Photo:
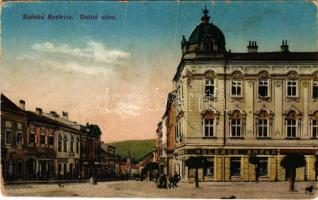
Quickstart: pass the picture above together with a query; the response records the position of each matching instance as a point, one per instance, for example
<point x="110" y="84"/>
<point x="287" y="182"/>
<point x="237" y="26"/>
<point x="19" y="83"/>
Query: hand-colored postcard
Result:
<point x="159" y="99"/>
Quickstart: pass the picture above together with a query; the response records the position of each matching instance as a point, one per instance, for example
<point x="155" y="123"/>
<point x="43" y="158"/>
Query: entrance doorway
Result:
<point x="31" y="168"/>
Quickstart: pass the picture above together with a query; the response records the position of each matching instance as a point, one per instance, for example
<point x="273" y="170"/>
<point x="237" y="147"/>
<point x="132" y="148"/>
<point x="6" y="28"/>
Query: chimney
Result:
<point x="252" y="47"/>
<point x="38" y="111"/>
<point x="53" y="113"/>
<point x="65" y="115"/>
<point x="284" y="47"/>
<point x="22" y="104"/>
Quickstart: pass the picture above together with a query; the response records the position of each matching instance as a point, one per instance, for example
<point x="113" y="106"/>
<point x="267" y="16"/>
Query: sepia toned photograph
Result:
<point x="159" y="99"/>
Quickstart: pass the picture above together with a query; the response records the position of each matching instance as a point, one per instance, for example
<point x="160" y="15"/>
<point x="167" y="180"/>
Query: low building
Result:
<point x="13" y="140"/>
<point x="109" y="159"/>
<point x="40" y="145"/>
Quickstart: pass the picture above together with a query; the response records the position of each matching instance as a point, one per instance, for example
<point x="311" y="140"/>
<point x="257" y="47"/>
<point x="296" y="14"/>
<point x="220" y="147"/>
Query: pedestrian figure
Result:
<point x="171" y="183"/>
<point x="176" y="179"/>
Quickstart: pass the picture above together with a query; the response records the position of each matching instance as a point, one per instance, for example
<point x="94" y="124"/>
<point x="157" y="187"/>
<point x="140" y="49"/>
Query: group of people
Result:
<point x="168" y="182"/>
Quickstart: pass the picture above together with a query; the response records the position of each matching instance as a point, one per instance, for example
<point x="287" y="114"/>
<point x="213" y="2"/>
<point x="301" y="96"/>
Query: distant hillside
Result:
<point x="137" y="148"/>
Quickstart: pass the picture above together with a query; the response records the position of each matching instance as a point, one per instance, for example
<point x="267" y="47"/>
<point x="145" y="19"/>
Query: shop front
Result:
<point x="235" y="165"/>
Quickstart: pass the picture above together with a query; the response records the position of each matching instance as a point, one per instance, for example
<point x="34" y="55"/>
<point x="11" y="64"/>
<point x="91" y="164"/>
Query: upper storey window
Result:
<point x="59" y="144"/>
<point x="237" y="82"/>
<point x="236" y="124"/>
<point x="292" y="124"/>
<point x="263" y="84"/>
<point x="209" y="123"/>
<point x="292" y="84"/>
<point x="315" y="86"/>
<point x="209" y="88"/>
<point x="263" y="121"/>
<point x="314" y="125"/>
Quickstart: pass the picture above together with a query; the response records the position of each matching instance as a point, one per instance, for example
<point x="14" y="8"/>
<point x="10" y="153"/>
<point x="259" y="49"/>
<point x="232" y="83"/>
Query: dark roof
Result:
<point x="258" y="56"/>
<point x="274" y="56"/>
<point x="33" y="117"/>
<point x="207" y="31"/>
<point x="8" y="106"/>
<point x="202" y="31"/>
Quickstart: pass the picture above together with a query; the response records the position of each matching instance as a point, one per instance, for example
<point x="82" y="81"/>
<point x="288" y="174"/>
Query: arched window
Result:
<point x="292" y="124"/>
<point x="237" y="82"/>
<point x="209" y="123"/>
<point x="263" y="124"/>
<point x="236" y="124"/>
<point x="72" y="145"/>
<point x="65" y="143"/>
<point x="263" y="84"/>
<point x="314" y="125"/>
<point x="77" y="145"/>
<point x="292" y="84"/>
<point x="59" y="143"/>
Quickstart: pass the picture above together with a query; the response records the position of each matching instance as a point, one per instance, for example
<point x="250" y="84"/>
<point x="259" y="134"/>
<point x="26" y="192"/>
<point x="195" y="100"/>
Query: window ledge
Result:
<point x="237" y="97"/>
<point x="292" y="138"/>
<point x="237" y="138"/>
<point x="208" y="98"/>
<point x="209" y="137"/>
<point x="292" y="98"/>
<point x="264" y="98"/>
<point x="263" y="138"/>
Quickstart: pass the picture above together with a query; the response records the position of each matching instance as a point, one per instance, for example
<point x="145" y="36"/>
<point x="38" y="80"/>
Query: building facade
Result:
<point x="47" y="146"/>
<point x="13" y="140"/>
<point x="234" y="105"/>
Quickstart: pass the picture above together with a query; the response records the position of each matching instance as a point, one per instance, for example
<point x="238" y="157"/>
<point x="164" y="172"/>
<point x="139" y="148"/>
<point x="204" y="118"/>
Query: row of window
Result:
<point x="263" y="127"/>
<point x="235" y="167"/>
<point x="11" y="138"/>
<point x="64" y="141"/>
<point x="44" y="139"/>
<point x="263" y="88"/>
<point x="9" y="124"/>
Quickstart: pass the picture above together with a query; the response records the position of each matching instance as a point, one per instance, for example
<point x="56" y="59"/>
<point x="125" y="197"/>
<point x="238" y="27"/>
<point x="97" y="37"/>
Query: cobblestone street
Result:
<point x="135" y="189"/>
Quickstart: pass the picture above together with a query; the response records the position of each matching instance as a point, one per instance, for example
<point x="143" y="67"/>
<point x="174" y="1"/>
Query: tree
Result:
<point x="196" y="163"/>
<point x="254" y="160"/>
<point x="291" y="162"/>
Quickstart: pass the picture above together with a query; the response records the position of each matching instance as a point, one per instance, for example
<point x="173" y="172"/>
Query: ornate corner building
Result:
<point x="233" y="105"/>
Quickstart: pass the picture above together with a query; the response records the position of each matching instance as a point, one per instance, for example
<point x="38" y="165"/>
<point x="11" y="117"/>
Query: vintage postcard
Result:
<point x="159" y="99"/>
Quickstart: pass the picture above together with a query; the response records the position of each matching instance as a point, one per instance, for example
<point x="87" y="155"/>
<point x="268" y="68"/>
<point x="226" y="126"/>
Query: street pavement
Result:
<point x="138" y="189"/>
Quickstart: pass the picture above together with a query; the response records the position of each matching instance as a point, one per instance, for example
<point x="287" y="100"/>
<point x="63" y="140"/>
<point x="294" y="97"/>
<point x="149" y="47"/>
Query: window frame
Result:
<point x="237" y="84"/>
<point x="209" y="127"/>
<point x="267" y="85"/>
<point x="264" y="160"/>
<point x="314" y="126"/>
<point x="42" y="138"/>
<point x="293" y="86"/>
<point x="59" y="143"/>
<point x="18" y="142"/>
<point x="314" y="84"/>
<point x="291" y="126"/>
<point x="6" y="137"/>
<point x="65" y="144"/>
<point x="262" y="126"/>
<point x="209" y="82"/>
<point x="235" y="160"/>
<point x="32" y="136"/>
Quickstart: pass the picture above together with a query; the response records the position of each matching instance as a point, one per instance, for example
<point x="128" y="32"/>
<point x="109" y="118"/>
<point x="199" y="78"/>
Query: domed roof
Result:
<point x="207" y="31"/>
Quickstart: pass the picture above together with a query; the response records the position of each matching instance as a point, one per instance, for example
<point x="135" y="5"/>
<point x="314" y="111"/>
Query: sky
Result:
<point x="117" y="72"/>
